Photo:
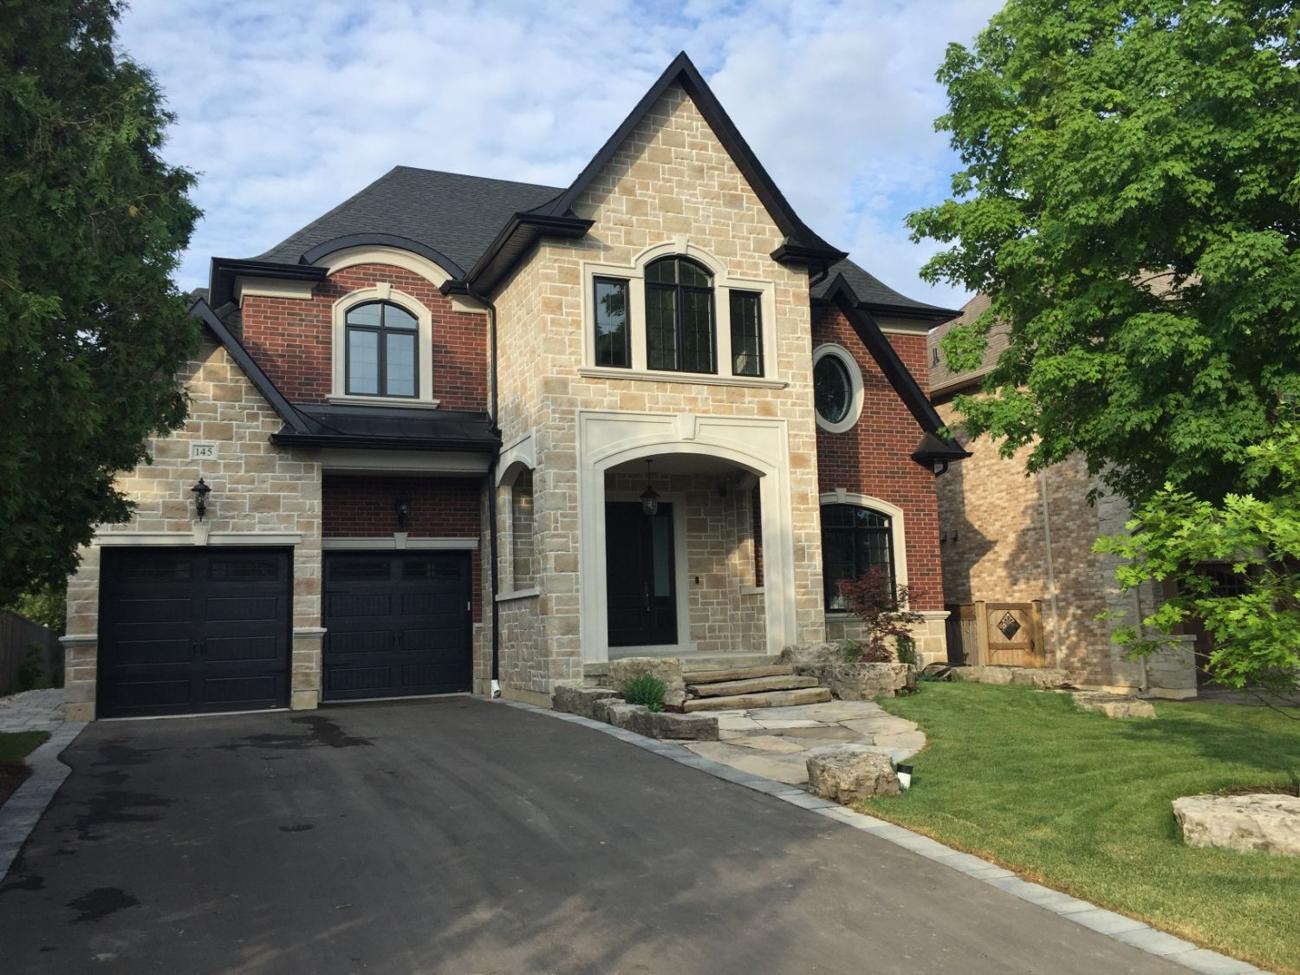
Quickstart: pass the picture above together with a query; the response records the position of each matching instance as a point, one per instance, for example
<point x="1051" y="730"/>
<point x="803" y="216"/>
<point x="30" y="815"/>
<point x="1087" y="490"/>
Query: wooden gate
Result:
<point x="997" y="634"/>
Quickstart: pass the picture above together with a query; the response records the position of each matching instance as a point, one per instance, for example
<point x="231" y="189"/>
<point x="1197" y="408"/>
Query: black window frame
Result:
<point x="381" y="331"/>
<point x="625" y="286"/>
<point x="757" y="298"/>
<point x="679" y="291"/>
<point x="830" y="587"/>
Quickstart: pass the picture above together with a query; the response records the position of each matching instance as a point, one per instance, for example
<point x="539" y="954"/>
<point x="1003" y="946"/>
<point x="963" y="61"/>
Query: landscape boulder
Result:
<point x="667" y="669"/>
<point x="575" y="699"/>
<point x="1114" y="705"/>
<point x="847" y="772"/>
<point x="1263" y="821"/>
<point x="848" y="680"/>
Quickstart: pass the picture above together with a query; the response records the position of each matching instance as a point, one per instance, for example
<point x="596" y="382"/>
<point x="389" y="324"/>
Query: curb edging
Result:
<point x="1117" y="927"/>
<point x="19" y="815"/>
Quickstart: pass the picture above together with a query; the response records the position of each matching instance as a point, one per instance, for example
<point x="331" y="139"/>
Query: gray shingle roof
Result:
<point x="943" y="379"/>
<point x="455" y="214"/>
<point x="870" y="290"/>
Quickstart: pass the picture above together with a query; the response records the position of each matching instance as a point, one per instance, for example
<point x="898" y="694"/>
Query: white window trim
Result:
<point x="723" y="284"/>
<point x="897" y="531"/>
<point x="855" y="382"/>
<point x="424" y="346"/>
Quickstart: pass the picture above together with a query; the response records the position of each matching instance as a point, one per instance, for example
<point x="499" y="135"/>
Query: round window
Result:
<point x="832" y="389"/>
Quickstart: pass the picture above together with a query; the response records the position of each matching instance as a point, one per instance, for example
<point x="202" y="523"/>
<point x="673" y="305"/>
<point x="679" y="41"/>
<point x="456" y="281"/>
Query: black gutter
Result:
<point x="307" y="439"/>
<point x="519" y="234"/>
<point x="494" y="573"/>
<point x="224" y="270"/>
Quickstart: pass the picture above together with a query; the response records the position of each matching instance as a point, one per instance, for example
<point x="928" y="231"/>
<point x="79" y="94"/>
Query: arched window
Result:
<point x="382" y="354"/>
<point x="679" y="316"/>
<point x="854" y="539"/>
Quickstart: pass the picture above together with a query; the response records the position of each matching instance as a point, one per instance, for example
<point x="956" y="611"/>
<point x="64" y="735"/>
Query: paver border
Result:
<point x="1117" y="927"/>
<point x="18" y="816"/>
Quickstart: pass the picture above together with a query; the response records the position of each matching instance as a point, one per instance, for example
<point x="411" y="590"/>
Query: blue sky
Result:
<point x="287" y="109"/>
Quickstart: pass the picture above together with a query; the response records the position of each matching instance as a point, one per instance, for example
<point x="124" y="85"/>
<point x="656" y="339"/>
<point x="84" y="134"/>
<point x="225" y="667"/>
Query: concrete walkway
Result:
<point x="32" y="710"/>
<point x="776" y="742"/>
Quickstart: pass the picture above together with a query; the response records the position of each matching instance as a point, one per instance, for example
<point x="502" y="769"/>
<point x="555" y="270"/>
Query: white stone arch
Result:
<point x="759" y="446"/>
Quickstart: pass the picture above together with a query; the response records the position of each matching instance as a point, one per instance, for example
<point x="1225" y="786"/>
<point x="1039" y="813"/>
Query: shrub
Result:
<point x="881" y="605"/>
<point x="645" y="689"/>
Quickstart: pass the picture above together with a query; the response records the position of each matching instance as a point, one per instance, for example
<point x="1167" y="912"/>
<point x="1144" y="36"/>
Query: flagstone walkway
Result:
<point x="777" y="742"/>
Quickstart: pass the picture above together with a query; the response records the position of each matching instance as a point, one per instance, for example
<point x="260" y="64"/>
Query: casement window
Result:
<point x="523" y="562"/>
<point x="382" y="351"/>
<point x="746" y="333"/>
<point x="837" y="388"/>
<point x="613" y="330"/>
<point x="679" y="316"/>
<point x="854" y="540"/>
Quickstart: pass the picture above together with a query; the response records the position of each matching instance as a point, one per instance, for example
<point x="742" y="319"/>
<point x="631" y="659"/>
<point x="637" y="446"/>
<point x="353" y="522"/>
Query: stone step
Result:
<point x="751" y="685"/>
<point x="700" y="662"/>
<point x="769" y="699"/>
<point x="736" y="673"/>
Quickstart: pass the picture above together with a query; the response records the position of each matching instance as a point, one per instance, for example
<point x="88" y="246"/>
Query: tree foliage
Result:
<point x="1130" y="200"/>
<point x="92" y="329"/>
<point x="1256" y="631"/>
<point x="886" y="621"/>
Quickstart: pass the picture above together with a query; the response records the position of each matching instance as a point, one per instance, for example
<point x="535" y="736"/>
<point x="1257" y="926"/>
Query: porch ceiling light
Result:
<point x="201" y="492"/>
<point x="649" y="497"/>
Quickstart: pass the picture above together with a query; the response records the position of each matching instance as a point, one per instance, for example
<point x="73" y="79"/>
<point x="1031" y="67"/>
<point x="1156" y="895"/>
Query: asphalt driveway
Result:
<point x="459" y="836"/>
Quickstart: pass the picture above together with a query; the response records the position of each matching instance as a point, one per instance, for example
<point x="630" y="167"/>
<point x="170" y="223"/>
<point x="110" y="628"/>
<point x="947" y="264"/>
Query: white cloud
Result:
<point x="286" y="110"/>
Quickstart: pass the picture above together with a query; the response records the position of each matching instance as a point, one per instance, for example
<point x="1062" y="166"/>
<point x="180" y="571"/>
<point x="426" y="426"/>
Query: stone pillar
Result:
<point x="81" y="645"/>
<point x="305" y="686"/>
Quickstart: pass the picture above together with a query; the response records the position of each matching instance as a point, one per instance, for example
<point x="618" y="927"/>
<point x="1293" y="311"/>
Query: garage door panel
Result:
<point x="397" y="624"/>
<point x="184" y="630"/>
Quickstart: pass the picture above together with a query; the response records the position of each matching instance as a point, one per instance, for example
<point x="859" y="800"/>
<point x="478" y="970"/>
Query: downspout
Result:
<point x="1051" y="572"/>
<point x="494" y="572"/>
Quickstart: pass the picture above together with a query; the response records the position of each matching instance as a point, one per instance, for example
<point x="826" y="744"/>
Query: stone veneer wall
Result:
<point x="670" y="180"/>
<point x="255" y="488"/>
<point x="726" y="613"/>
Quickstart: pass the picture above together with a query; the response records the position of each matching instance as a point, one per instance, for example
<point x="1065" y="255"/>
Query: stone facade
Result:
<point x="260" y="495"/>
<point x="671" y="182"/>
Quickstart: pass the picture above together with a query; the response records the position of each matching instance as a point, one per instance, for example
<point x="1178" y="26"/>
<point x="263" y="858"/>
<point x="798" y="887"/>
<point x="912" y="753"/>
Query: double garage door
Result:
<point x="185" y="630"/>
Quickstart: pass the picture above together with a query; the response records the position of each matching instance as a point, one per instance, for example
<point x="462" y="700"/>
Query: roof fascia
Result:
<point x="294" y="438"/>
<point x="224" y="270"/>
<point x="260" y="380"/>
<point x="516" y="237"/>
<point x="329" y="247"/>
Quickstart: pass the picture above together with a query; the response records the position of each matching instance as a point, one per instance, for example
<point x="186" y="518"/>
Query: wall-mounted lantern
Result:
<point x="201" y="492"/>
<point x="403" y="509"/>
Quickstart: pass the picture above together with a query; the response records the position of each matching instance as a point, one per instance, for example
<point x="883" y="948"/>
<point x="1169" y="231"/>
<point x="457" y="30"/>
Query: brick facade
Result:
<point x="291" y="338"/>
<point x="874" y="457"/>
<point x="364" y="506"/>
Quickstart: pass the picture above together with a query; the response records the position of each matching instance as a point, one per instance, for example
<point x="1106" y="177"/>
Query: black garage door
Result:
<point x="191" y="630"/>
<point x="396" y="624"/>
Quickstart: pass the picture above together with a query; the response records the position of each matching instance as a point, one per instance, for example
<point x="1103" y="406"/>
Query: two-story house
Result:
<point x="462" y="430"/>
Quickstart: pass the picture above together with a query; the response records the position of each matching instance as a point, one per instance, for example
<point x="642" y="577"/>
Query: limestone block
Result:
<point x="1114" y="705"/>
<point x="1264" y="822"/>
<point x="579" y="700"/>
<point x="1044" y="678"/>
<point x="667" y="669"/>
<point x="848" y="772"/>
<point x="658" y="724"/>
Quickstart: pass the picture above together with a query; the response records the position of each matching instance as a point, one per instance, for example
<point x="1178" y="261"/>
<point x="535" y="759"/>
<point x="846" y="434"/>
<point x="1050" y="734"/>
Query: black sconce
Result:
<point x="201" y="492"/>
<point x="403" y="508"/>
<point x="649" y="497"/>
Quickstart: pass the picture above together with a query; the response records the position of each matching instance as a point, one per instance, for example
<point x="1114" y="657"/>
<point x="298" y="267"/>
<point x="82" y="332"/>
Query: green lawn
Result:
<point x="1081" y="803"/>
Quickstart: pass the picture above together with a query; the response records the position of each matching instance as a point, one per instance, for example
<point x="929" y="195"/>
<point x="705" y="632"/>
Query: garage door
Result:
<point x="192" y="630"/>
<point x="396" y="624"/>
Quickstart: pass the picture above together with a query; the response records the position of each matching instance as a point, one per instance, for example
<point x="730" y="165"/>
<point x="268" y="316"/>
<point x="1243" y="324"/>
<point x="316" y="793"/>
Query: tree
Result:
<point x="1130" y="200"/>
<point x="1257" y="630"/>
<point x="92" y="330"/>
<point x="886" y="621"/>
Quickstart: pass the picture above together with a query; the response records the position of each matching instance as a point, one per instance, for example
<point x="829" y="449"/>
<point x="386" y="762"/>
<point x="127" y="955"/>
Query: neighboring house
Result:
<point x="462" y="430"/>
<point x="1023" y="544"/>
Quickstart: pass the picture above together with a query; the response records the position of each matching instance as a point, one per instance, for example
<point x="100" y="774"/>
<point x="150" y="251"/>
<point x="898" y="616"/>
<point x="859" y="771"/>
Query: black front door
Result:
<point x="397" y="625"/>
<point x="193" y="630"/>
<point x="642" y="588"/>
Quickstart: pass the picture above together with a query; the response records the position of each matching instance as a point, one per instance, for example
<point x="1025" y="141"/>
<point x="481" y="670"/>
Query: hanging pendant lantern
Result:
<point x="649" y="497"/>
